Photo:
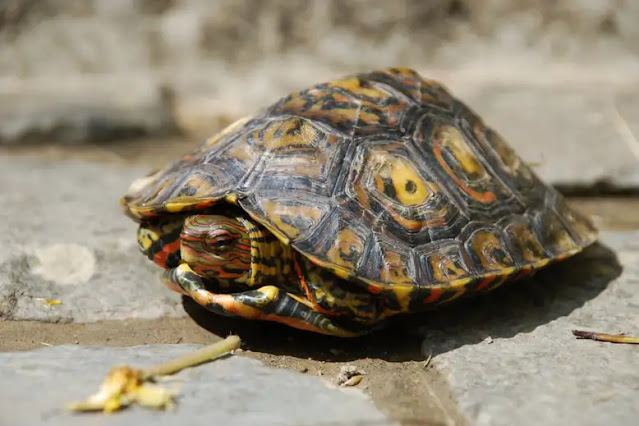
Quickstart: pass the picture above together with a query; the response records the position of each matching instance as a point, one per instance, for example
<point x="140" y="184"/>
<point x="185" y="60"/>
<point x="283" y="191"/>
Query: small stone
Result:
<point x="346" y="372"/>
<point x="353" y="381"/>
<point x="303" y="370"/>
<point x="488" y="340"/>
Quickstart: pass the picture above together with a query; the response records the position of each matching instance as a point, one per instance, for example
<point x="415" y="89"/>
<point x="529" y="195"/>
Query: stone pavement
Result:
<point x="37" y="385"/>
<point x="508" y="358"/>
<point x="68" y="241"/>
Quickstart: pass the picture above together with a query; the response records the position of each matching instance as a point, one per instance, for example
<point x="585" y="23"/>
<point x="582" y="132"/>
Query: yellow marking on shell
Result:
<point x="541" y="263"/>
<point x="178" y="204"/>
<point x="354" y="85"/>
<point x="228" y="129"/>
<point x="352" y="114"/>
<point x="346" y="244"/>
<point x="346" y="114"/>
<point x="277" y="212"/>
<point x="291" y="132"/>
<point x="483" y="242"/>
<point x="273" y="230"/>
<point x="444" y="268"/>
<point x="410" y="188"/>
<point x="403" y="294"/>
<point x="341" y="272"/>
<point x="231" y="198"/>
<point x="394" y="269"/>
<point x="452" y="139"/>
<point x="530" y="248"/>
<point x="403" y="71"/>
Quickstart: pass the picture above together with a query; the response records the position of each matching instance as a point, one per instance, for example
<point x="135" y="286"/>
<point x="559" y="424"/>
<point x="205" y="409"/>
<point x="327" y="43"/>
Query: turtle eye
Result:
<point x="221" y="242"/>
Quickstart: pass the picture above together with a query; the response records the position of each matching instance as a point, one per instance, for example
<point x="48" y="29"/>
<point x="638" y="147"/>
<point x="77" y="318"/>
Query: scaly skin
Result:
<point x="232" y="252"/>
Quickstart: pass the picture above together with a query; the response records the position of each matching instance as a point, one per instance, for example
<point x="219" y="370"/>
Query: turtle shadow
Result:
<point x="520" y="307"/>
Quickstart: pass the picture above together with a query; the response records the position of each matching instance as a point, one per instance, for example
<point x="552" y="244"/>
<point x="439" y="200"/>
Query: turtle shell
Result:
<point x="383" y="178"/>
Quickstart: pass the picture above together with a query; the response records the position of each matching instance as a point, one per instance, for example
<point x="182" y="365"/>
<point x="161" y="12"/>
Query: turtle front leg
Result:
<point x="266" y="303"/>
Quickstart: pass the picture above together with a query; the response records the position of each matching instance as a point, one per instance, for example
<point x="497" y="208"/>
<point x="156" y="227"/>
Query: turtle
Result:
<point x="347" y="203"/>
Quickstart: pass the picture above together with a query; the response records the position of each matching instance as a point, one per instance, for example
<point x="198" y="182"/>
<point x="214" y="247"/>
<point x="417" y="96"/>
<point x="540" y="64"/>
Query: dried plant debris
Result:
<point x="349" y="375"/>
<point x="602" y="337"/>
<point x="125" y="385"/>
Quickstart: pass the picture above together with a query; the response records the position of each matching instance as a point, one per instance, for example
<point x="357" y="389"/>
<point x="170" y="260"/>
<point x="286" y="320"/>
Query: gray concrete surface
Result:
<point x="511" y="359"/>
<point x="554" y="77"/>
<point x="65" y="239"/>
<point x="37" y="385"/>
<point x="100" y="113"/>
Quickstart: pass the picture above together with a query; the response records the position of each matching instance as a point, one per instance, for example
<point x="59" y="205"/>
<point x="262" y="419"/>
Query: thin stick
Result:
<point x="601" y="337"/>
<point x="192" y="359"/>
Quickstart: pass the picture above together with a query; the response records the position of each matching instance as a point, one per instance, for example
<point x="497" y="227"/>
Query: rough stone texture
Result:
<point x="511" y="358"/>
<point x="37" y="385"/>
<point x="75" y="115"/>
<point x="95" y="70"/>
<point x="64" y="238"/>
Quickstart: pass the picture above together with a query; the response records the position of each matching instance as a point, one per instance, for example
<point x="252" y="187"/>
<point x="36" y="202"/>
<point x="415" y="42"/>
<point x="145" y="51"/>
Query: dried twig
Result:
<point x="124" y="385"/>
<point x="601" y="337"/>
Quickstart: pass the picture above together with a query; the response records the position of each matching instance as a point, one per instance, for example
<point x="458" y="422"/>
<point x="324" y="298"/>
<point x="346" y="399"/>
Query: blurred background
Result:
<point x="144" y="78"/>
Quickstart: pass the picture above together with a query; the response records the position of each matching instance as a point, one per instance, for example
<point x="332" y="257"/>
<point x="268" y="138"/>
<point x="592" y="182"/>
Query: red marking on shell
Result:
<point x="435" y="294"/>
<point x="486" y="282"/>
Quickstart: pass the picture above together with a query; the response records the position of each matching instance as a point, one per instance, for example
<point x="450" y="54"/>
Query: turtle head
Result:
<point x="217" y="246"/>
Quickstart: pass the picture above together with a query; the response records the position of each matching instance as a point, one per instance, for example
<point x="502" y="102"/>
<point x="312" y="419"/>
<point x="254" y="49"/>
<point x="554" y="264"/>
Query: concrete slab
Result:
<point x="65" y="239"/>
<point x="511" y="358"/>
<point x="37" y="385"/>
<point x="91" y="114"/>
<point x="573" y="136"/>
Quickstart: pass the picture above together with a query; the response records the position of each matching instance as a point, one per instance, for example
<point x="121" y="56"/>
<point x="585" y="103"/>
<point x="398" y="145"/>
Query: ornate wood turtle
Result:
<point x="347" y="203"/>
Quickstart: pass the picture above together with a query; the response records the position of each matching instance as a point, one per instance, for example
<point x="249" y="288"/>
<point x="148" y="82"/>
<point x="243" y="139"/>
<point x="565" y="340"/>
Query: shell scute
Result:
<point x="338" y="243"/>
<point x="413" y="207"/>
<point x="444" y="262"/>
